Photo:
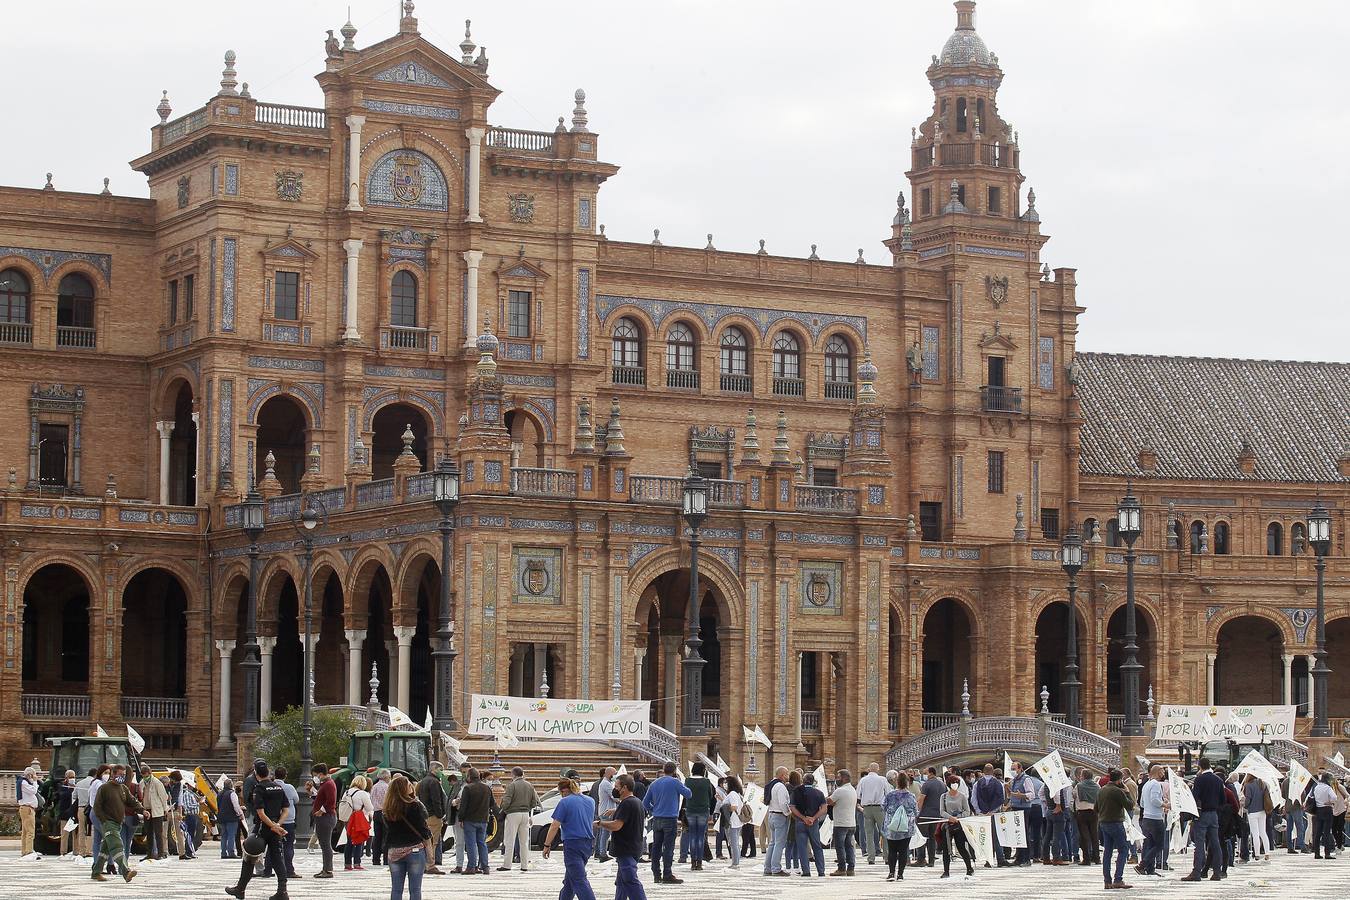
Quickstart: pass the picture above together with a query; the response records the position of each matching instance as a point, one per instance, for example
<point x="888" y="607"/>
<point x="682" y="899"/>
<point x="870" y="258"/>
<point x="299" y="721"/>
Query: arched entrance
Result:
<point x="154" y="636"/>
<point x="663" y="612"/>
<point x="288" y="662"/>
<point x="283" y="430"/>
<point x="386" y="443"/>
<point x="1052" y="653"/>
<point x="56" y="632"/>
<point x="330" y="669"/>
<point x="426" y="593"/>
<point x="380" y="646"/>
<point x="527" y="439"/>
<point x="183" y="450"/>
<point x="1338" y="659"/>
<point x="947" y="640"/>
<point x="897" y="689"/>
<point x="1249" y="664"/>
<point x="1115" y="656"/>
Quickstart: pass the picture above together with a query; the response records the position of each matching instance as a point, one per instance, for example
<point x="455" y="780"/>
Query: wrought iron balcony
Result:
<point x="995" y="398"/>
<point x="682" y="378"/>
<point x="736" y="384"/>
<point x="635" y="375"/>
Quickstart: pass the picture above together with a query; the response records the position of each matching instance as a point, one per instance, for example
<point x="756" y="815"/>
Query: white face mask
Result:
<point x="107" y="775"/>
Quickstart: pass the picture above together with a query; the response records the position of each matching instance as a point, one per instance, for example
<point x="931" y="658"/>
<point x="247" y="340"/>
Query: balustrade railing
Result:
<point x="74" y="336"/>
<point x="656" y="489"/>
<point x="818" y="498"/>
<point x="635" y="375"/>
<point x="712" y="719"/>
<point x="375" y="493"/>
<point x="290" y="116"/>
<point x="682" y="378"/>
<point x="515" y="139"/>
<point x="1114" y="723"/>
<point x="938" y="720"/>
<point x="893" y="721"/>
<point x="811" y="721"/>
<point x="661" y="746"/>
<point x="423" y="484"/>
<point x="726" y="494"/>
<point x="159" y="709"/>
<point x="839" y="390"/>
<point x="527" y="482"/>
<point x="285" y="507"/>
<point x="55" y="706"/>
<point x="402" y="337"/>
<point x="736" y="384"/>
<point x="182" y="126"/>
<point x="16" y="332"/>
<point x="789" y="387"/>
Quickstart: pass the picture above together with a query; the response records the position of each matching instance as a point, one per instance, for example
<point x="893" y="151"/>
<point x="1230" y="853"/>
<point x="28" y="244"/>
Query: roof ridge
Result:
<point x="1234" y="359"/>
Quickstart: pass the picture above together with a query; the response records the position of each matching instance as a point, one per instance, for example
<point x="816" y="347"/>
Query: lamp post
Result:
<point x="1319" y="535"/>
<point x="252" y="509"/>
<point x="1129" y="527"/>
<point x="311" y="512"/>
<point x="445" y="492"/>
<point x="695" y="511"/>
<point x="1071" y="558"/>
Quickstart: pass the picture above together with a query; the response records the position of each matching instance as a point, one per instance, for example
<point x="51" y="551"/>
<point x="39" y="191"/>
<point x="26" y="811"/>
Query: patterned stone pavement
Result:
<point x="1285" y="876"/>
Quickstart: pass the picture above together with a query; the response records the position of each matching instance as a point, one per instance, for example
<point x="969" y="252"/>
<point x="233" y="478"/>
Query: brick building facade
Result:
<point x="329" y="299"/>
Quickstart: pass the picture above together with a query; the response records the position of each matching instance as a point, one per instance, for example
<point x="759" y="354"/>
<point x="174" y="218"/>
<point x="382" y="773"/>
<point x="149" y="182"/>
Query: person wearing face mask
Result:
<point x="518" y="802"/>
<point x="82" y="812"/>
<point x="65" y="811"/>
<point x="113" y="803"/>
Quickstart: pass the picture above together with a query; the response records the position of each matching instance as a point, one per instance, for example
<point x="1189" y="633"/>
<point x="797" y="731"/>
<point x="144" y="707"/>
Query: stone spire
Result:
<point x="781" y="449"/>
<point x="585" y="436"/>
<point x="1031" y="215"/>
<point x="614" y="432"/>
<point x="349" y="33"/>
<point x="407" y="24"/>
<point x="488" y="345"/>
<point x="164" y="109"/>
<point x="867" y="376"/>
<point x="954" y="204"/>
<point x="229" y="85"/>
<point x="467" y="46"/>
<point x="750" y="445"/>
<point x="481" y="63"/>
<point x="579" y="112"/>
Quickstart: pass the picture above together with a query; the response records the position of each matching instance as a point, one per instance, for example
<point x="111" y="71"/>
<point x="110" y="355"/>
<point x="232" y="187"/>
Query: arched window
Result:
<point x="733" y="355"/>
<point x="75" y="312"/>
<point x="1089" y="527"/>
<point x="1221" y="539"/>
<point x="680" y="348"/>
<point x="15" y="292"/>
<point x="403" y="300"/>
<point x="1298" y="538"/>
<point x="1112" y="532"/>
<point x="787" y="356"/>
<point x="1274" y="539"/>
<point x="838" y="359"/>
<point x="626" y="353"/>
<point x="1197" y="529"/>
<point x="961" y="114"/>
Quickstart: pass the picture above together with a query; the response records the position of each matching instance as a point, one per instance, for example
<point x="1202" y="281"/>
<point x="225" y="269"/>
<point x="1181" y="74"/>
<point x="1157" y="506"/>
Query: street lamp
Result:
<point x="1319" y="536"/>
<point x="445" y="493"/>
<point x="1071" y="558"/>
<point x="695" y="511"/>
<point x="1129" y="527"/>
<point x="311" y="512"/>
<point x="252" y="512"/>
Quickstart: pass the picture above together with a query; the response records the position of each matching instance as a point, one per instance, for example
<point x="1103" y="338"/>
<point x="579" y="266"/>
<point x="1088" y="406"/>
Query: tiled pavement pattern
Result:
<point x="1285" y="876"/>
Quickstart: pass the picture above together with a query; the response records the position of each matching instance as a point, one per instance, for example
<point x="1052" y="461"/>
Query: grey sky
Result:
<point x="1188" y="157"/>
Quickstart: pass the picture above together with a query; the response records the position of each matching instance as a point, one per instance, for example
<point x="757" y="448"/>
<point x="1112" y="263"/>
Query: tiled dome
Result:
<point x="964" y="48"/>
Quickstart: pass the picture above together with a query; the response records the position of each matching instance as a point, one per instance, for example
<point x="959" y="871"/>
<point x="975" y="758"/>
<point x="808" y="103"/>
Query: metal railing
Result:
<point x="726" y="494"/>
<point x="656" y="489"/>
<point x="811" y="721"/>
<point x="661" y="746"/>
<point x="55" y="706"/>
<point x="839" y="390"/>
<point x="817" y="498"/>
<point x="74" y="336"/>
<point x="16" y="332"/>
<point x="939" y="720"/>
<point x="402" y="337"/>
<point x="736" y="384"/>
<point x="515" y="139"/>
<point x="290" y="116"/>
<point x="375" y="493"/>
<point x="893" y="720"/>
<point x="994" y="398"/>
<point x="527" y="482"/>
<point x="629" y="375"/>
<point x="789" y="387"/>
<point x="956" y="154"/>
<point x="712" y="719"/>
<point x="682" y="378"/>
<point x="1000" y="156"/>
<point x="160" y="709"/>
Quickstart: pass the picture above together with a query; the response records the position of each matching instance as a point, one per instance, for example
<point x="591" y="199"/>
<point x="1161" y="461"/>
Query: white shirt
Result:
<point x="734" y="803"/>
<point x="845" y="799"/>
<point x="28" y="793"/>
<point x="872" y="789"/>
<point x="1324" y="795"/>
<point x="779" y="799"/>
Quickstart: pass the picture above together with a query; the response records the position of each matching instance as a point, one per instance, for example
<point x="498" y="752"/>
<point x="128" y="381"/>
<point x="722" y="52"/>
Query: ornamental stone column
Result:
<point x="475" y="135"/>
<point x="349" y="327"/>
<point x="165" y="430"/>
<point x="354" y="641"/>
<point x="1288" y="678"/>
<point x="226" y="651"/>
<point x="1209" y="678"/>
<point x="404" y="635"/>
<point x="471" y="259"/>
<point x="354" y="123"/>
<point x="265" y="647"/>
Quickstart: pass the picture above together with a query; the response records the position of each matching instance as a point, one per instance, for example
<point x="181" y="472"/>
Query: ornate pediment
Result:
<point x="520" y="268"/>
<point x="996" y="339"/>
<point x="401" y="63"/>
<point x="291" y="247"/>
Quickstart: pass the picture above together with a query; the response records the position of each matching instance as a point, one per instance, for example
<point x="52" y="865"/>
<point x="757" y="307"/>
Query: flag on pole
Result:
<point x="99" y="732"/>
<point x="397" y="718"/>
<point x="979" y="832"/>
<point x="1007" y="766"/>
<point x="1011" y="828"/>
<point x="820" y="776"/>
<point x="1261" y="767"/>
<point x="1052" y="771"/>
<point x="1298" y="779"/>
<point x="762" y="738"/>
<point x="220" y="783"/>
<point x="623" y="770"/>
<point x="722" y="764"/>
<point x="1339" y="759"/>
<point x="137" y="742"/>
<point x="1133" y="833"/>
<point x="427" y="726"/>
<point x="1182" y="798"/>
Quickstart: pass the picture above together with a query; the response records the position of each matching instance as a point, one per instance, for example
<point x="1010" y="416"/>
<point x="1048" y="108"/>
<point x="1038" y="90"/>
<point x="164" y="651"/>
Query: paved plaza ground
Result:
<point x="206" y="877"/>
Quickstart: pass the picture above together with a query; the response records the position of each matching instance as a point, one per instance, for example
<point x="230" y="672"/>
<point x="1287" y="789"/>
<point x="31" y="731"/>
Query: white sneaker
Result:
<point x="31" y="857"/>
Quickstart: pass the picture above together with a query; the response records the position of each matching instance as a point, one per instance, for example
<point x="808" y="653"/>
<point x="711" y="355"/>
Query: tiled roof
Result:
<point x="1195" y="414"/>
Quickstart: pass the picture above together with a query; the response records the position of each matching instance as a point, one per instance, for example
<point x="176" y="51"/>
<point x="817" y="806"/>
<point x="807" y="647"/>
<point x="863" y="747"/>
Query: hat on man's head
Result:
<point x="260" y="768"/>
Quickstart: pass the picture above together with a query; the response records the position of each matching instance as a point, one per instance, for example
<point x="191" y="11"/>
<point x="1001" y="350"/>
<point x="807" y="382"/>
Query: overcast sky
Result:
<point x="1189" y="158"/>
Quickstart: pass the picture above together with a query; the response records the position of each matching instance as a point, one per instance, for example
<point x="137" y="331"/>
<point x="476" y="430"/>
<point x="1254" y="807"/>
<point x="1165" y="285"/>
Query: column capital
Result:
<point x="165" y="428"/>
<point x="475" y="133"/>
<point x="353" y="246"/>
<point x="1288" y="658"/>
<point x="354" y="637"/>
<point x="355" y="122"/>
<point x="473" y="258"/>
<point x="224" y="648"/>
<point x="266" y="645"/>
<point x="1211" y="657"/>
<point x="404" y="634"/>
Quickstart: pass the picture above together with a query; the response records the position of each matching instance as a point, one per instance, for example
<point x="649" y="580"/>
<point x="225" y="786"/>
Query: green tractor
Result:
<point x="405" y="752"/>
<point x="79" y="755"/>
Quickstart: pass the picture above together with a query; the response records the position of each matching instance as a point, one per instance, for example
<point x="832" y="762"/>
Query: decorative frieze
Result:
<point x="712" y="314"/>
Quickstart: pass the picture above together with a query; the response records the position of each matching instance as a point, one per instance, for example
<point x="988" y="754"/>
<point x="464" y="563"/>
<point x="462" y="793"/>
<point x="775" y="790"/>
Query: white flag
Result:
<point x="137" y="742"/>
<point x="1133" y="834"/>
<point x="1011" y="828"/>
<point x="820" y="776"/>
<point x="1052" y="773"/>
<point x="1298" y="779"/>
<point x="747" y="735"/>
<point x="1007" y="767"/>
<point x="722" y="764"/>
<point x="506" y="738"/>
<point x="99" y="732"/>
<point x="623" y="770"/>
<point x="980" y="835"/>
<point x="1182" y="798"/>
<point x="427" y="727"/>
<point x="397" y="717"/>
<point x="1259" y="766"/>
<point x="1339" y="759"/>
<point x="763" y="738"/>
<point x="220" y="783"/>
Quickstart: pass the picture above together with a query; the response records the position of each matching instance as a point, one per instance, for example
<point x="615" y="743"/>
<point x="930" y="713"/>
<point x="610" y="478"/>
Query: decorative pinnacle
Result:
<point x="710" y="243"/>
<point x="965" y="698"/>
<point x="781" y="448"/>
<point x="579" y="112"/>
<point x="656" y="237"/>
<point x="106" y="192"/>
<point x="1031" y="215"/>
<point x="408" y="438"/>
<point x="348" y="32"/>
<point x="228" y="84"/>
<point x="164" y="109"/>
<point x="374" y="684"/>
<point x="314" y="459"/>
<point x="614" y="431"/>
<point x="906" y="237"/>
<point x="860" y="256"/>
<point x="762" y="251"/>
<point x="1045" y="272"/>
<point x="269" y="466"/>
<point x="750" y="446"/>
<point x="814" y="254"/>
<point x="585" y="437"/>
<point x="467" y="46"/>
<point x="867" y="376"/>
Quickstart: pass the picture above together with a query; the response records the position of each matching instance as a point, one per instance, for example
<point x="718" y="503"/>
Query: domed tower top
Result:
<point x="965" y="47"/>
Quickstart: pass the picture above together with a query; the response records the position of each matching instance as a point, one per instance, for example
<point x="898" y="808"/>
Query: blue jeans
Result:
<point x="626" y="883"/>
<point x="1155" y="833"/>
<point x="773" y="854"/>
<point x="1296" y="826"/>
<point x="1113" y="840"/>
<point x="601" y="842"/>
<point x="575" y="883"/>
<point x="352" y="854"/>
<point x="228" y="830"/>
<point x="1205" y="836"/>
<point x="698" y="836"/>
<point x="664" y="829"/>
<point x="128" y="833"/>
<point x="1035" y="822"/>
<point x="475" y="842"/>
<point x="410" y="867"/>
<point x="843" y="848"/>
<point x="808" y="846"/>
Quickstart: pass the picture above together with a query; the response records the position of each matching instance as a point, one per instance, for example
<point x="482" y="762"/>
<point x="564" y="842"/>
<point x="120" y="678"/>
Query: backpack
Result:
<point x="898" y="823"/>
<point x="345" y="806"/>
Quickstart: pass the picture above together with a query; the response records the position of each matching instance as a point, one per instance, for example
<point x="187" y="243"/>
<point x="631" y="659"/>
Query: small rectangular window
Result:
<point x="930" y="521"/>
<point x="288" y="295"/>
<point x="1050" y="523"/>
<point x="518" y="313"/>
<point x="995" y="201"/>
<point x="825" y="477"/>
<point x="173" y="302"/>
<point x="995" y="471"/>
<point x="709" y="469"/>
<point x="926" y="202"/>
<point x="189" y="304"/>
<point x="52" y="443"/>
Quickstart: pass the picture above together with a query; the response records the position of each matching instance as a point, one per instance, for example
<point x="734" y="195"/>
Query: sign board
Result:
<point x="560" y="719"/>
<point x="1243" y="724"/>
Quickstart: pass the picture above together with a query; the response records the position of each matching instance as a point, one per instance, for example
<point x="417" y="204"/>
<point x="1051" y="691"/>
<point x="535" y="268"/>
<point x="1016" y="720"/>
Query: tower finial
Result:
<point x="965" y="15"/>
<point x="1031" y="215"/>
<point x="579" y="112"/>
<point x="228" y="84"/>
<point x="467" y="46"/>
<point x="164" y="109"/>
<point x="349" y="33"/>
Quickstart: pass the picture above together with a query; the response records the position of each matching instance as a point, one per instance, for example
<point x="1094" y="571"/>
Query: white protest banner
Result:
<point x="397" y="717"/>
<point x="506" y="738"/>
<point x="1243" y="724"/>
<point x="1133" y="834"/>
<point x="819" y="774"/>
<point x="1298" y="779"/>
<point x="1007" y="765"/>
<point x="1052" y="773"/>
<point x="763" y="738"/>
<point x="428" y="725"/>
<point x="979" y="832"/>
<point x="539" y="717"/>
<point x="135" y="740"/>
<point x="722" y="764"/>
<point x="623" y="770"/>
<point x="1011" y="829"/>
<point x="1182" y="798"/>
<point x="99" y="732"/>
<point x="220" y="782"/>
<point x="1339" y="759"/>
<point x="1259" y="766"/>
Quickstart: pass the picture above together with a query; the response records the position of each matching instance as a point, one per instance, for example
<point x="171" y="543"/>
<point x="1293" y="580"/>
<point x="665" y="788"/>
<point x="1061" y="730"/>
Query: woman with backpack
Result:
<point x="900" y="813"/>
<point x="954" y="807"/>
<point x="405" y="838"/>
<point x="356" y="812"/>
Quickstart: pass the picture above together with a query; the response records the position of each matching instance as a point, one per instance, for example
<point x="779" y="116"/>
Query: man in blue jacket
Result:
<point x="986" y="798"/>
<point x="1209" y="799"/>
<point x="663" y="805"/>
